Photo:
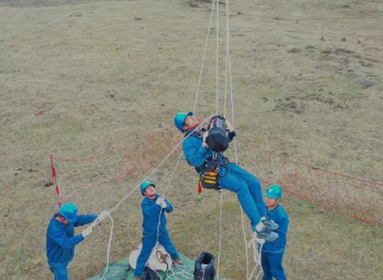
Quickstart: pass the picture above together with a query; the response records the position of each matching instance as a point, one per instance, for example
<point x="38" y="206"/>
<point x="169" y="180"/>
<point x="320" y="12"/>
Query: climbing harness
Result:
<point x="208" y="180"/>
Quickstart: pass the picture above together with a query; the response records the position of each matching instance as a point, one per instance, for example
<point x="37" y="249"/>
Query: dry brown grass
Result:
<point x="95" y="78"/>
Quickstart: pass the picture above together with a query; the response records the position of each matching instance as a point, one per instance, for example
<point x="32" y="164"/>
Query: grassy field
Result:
<point x="90" y="78"/>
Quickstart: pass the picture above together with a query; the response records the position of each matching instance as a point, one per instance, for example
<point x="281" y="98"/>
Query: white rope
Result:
<point x="228" y="76"/>
<point x="109" y="248"/>
<point x="159" y="165"/>
<point x="155" y="169"/>
<point x="203" y="57"/>
<point x="167" y="186"/>
<point x="228" y="80"/>
<point x="135" y="188"/>
<point x="257" y="258"/>
<point x="217" y="60"/>
<point x="187" y="273"/>
<point x="245" y="242"/>
<point x="227" y="55"/>
<point x="173" y="172"/>
<point x="217" y="112"/>
<point x="220" y="234"/>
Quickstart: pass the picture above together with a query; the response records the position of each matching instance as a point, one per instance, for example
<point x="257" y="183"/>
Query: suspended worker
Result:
<point x="272" y="252"/>
<point x="203" y="149"/>
<point x="154" y="228"/>
<point x="61" y="241"/>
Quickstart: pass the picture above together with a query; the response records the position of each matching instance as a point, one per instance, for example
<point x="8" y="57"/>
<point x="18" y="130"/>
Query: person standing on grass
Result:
<point x="61" y="241"/>
<point x="154" y="227"/>
<point x="272" y="252"/>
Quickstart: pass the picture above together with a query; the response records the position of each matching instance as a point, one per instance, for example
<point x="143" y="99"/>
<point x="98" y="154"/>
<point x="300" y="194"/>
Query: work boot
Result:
<point x="270" y="224"/>
<point x="179" y="262"/>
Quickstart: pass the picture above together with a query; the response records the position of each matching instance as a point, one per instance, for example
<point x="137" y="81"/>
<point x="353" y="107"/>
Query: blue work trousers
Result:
<point x="148" y="243"/>
<point x="60" y="271"/>
<point x="248" y="189"/>
<point x="272" y="266"/>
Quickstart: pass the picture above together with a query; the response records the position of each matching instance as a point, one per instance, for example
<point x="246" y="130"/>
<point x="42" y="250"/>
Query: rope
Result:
<point x="227" y="55"/>
<point x="135" y="188"/>
<point x="109" y="248"/>
<point x="220" y="234"/>
<point x="187" y="272"/>
<point x="203" y="57"/>
<point x="217" y="111"/>
<point x="159" y="165"/>
<point x="171" y="152"/>
<point x="167" y="186"/>
<point x="228" y="81"/>
<point x="257" y="257"/>
<point x="217" y="61"/>
<point x="228" y="76"/>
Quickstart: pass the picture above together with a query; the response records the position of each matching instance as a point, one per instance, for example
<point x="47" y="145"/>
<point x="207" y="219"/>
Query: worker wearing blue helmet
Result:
<point x="230" y="175"/>
<point x="61" y="240"/>
<point x="272" y="252"/>
<point x="154" y="228"/>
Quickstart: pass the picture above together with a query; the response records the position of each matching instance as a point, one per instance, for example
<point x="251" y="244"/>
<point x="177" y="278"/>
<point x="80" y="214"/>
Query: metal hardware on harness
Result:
<point x="209" y="180"/>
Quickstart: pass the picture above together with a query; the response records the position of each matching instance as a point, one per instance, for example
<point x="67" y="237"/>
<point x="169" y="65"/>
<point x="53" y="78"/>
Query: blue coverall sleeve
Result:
<point x="84" y="220"/>
<point x="283" y="228"/>
<point x="169" y="207"/>
<point x="194" y="155"/>
<point x="150" y="209"/>
<point x="60" y="239"/>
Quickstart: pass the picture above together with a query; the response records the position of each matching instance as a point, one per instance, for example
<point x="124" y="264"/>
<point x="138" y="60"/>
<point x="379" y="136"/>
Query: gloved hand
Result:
<point x="86" y="232"/>
<point x="229" y="126"/>
<point x="260" y="241"/>
<point x="204" y="139"/>
<point x="102" y="215"/>
<point x="164" y="204"/>
<point x="160" y="200"/>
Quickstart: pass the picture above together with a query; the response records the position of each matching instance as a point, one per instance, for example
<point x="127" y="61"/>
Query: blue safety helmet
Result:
<point x="274" y="191"/>
<point x="179" y="120"/>
<point x="69" y="212"/>
<point x="146" y="184"/>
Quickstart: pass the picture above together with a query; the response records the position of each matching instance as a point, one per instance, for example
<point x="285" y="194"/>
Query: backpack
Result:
<point x="204" y="267"/>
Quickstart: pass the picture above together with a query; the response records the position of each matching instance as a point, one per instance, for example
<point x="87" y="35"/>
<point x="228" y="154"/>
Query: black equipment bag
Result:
<point x="204" y="267"/>
<point x="217" y="139"/>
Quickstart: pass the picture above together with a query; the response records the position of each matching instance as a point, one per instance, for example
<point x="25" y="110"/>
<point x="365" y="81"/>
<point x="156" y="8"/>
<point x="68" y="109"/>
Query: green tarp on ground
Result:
<point x="121" y="271"/>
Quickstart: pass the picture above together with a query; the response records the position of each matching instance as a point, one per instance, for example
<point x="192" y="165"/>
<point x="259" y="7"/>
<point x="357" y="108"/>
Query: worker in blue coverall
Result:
<point x="272" y="252"/>
<point x="231" y="176"/>
<point x="154" y="225"/>
<point x="61" y="241"/>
